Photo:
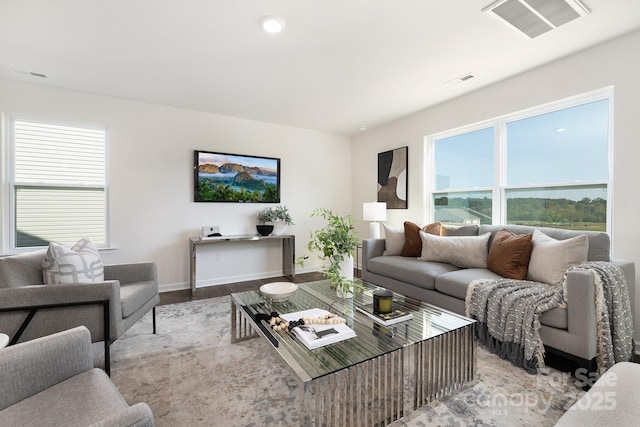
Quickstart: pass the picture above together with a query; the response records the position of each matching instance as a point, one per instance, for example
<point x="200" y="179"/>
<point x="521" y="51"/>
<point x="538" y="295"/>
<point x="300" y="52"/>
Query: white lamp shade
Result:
<point x="374" y="211"/>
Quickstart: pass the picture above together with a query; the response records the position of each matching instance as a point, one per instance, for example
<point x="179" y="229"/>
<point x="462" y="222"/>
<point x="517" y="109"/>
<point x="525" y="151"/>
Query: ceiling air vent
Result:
<point x="531" y="18"/>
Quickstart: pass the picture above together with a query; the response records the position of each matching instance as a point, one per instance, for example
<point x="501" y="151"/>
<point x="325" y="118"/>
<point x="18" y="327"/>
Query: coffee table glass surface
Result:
<point x="372" y="339"/>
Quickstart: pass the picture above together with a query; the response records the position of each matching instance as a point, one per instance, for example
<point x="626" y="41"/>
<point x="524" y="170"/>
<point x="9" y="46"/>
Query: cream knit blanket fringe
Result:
<point x="613" y="315"/>
<point x="614" y="321"/>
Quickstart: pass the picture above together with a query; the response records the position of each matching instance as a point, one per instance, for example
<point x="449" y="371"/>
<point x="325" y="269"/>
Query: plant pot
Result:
<point x="346" y="271"/>
<point x="279" y="227"/>
<point x="346" y="268"/>
<point x="264" y="229"/>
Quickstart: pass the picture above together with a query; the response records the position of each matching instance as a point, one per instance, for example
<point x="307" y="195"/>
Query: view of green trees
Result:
<point x="585" y="214"/>
<point x="216" y="192"/>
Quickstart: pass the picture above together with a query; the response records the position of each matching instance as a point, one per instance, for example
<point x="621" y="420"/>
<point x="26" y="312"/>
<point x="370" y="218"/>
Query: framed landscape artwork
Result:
<point x="225" y="177"/>
<point x="392" y="178"/>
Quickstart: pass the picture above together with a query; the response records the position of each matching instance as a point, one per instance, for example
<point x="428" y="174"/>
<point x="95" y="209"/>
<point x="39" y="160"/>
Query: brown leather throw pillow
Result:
<point x="509" y="254"/>
<point x="413" y="244"/>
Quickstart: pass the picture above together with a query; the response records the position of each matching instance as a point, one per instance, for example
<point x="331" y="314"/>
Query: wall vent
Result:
<point x="460" y="79"/>
<point x="531" y="18"/>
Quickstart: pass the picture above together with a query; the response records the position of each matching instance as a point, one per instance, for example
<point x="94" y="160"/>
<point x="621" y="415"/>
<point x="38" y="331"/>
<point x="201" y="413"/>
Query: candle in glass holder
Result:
<point x="382" y="301"/>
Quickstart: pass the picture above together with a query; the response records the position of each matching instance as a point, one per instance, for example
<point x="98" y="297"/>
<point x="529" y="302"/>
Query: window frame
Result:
<point x="499" y="124"/>
<point x="9" y="187"/>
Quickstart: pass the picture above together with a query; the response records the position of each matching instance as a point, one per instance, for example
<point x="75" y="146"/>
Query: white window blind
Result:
<point x="59" y="183"/>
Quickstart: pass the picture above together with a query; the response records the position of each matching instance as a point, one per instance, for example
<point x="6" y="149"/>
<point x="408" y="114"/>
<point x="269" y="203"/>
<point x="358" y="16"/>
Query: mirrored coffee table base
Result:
<point x="390" y="384"/>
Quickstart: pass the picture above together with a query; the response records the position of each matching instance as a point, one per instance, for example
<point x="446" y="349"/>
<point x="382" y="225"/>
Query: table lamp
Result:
<point x="374" y="211"/>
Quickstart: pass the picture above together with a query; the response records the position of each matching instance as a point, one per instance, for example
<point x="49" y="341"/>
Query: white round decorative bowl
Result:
<point x="278" y="291"/>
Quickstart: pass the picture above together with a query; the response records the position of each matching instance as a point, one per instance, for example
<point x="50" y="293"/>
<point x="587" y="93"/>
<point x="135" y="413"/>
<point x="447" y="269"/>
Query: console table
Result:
<point x="288" y="251"/>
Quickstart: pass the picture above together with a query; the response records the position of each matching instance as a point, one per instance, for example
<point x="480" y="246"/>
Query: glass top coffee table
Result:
<point x="377" y="377"/>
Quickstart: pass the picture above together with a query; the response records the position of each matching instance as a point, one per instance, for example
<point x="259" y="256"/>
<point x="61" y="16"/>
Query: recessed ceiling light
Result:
<point x="272" y="24"/>
<point x="362" y="128"/>
<point x="560" y="130"/>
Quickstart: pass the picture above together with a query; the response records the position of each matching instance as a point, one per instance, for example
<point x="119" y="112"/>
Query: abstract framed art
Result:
<point x="392" y="177"/>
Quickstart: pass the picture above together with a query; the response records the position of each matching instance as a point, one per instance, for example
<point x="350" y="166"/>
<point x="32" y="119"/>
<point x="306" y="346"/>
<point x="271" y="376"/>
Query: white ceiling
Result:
<point x="339" y="64"/>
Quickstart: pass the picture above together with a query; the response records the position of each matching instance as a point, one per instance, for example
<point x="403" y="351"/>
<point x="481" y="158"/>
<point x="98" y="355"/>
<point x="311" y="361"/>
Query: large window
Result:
<point x="58" y="183"/>
<point x="548" y="167"/>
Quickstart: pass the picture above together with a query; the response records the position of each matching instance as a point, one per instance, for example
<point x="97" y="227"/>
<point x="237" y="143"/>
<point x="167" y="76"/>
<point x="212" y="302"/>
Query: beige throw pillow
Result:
<point x="551" y="258"/>
<point x="413" y="244"/>
<point x="393" y="240"/>
<point x="80" y="264"/>
<point x="461" y="251"/>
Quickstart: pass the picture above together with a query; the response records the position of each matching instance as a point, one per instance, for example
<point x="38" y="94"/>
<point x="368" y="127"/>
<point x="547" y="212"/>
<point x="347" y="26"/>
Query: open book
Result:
<point x="318" y="335"/>
<point x="395" y="316"/>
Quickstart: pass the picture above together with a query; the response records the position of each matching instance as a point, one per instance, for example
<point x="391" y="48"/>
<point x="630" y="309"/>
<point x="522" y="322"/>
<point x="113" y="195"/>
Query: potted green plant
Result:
<point x="277" y="216"/>
<point x="335" y="244"/>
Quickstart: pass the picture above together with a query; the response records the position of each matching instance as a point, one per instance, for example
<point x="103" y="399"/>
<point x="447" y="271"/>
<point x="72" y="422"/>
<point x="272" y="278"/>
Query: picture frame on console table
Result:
<point x="392" y="177"/>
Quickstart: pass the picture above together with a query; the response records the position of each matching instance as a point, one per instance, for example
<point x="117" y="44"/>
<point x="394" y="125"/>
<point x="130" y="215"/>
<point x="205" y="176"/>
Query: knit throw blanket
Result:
<point x="508" y="313"/>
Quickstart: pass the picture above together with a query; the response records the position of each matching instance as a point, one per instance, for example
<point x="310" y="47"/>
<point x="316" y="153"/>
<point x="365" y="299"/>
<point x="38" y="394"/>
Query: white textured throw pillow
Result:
<point x="80" y="264"/>
<point x="551" y="258"/>
<point x="461" y="251"/>
<point x="393" y="240"/>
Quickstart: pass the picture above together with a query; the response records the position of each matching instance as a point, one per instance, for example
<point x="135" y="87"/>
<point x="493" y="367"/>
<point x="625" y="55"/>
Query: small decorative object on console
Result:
<point x="264" y="229"/>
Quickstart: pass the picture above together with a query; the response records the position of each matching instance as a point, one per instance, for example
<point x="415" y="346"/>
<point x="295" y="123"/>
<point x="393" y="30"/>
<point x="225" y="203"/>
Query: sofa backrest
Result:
<point x="599" y="243"/>
<point x="22" y="270"/>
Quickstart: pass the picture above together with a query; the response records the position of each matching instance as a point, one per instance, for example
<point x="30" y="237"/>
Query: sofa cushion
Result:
<point x="455" y="283"/>
<point x="413" y="243"/>
<point x="461" y="251"/>
<point x="459" y="230"/>
<point x="135" y="295"/>
<point x="550" y="258"/>
<point x="409" y="270"/>
<point x="556" y="318"/>
<point x="82" y="263"/>
<point x="21" y="270"/>
<point x="393" y="240"/>
<point x="509" y="254"/>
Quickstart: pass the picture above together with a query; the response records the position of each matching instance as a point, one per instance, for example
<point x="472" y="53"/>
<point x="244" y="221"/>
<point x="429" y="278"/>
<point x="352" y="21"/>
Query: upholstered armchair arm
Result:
<point x="131" y="273"/>
<point x="138" y="415"/>
<point x="57" y="358"/>
<point x="71" y="311"/>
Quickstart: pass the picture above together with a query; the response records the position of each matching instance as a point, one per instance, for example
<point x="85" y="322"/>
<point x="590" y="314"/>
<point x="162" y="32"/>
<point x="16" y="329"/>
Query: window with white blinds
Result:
<point x="58" y="183"/>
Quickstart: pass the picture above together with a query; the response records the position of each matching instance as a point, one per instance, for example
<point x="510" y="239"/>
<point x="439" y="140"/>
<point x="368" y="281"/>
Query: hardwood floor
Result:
<point x="184" y="295"/>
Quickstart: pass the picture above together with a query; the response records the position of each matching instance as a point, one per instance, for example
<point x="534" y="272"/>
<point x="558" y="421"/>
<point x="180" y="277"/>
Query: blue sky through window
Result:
<point x="562" y="147"/>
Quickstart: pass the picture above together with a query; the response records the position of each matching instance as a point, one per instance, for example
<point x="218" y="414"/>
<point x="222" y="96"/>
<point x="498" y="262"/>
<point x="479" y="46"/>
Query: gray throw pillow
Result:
<point x="551" y="258"/>
<point x="461" y="251"/>
<point x="393" y="240"/>
<point x="459" y="230"/>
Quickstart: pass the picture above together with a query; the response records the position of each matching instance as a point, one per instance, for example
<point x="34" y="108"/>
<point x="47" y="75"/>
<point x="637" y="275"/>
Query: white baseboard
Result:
<point x="169" y="287"/>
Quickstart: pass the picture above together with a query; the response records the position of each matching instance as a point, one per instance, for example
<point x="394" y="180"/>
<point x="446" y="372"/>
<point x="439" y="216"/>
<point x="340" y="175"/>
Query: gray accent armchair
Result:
<point x="50" y="381"/>
<point x="29" y="309"/>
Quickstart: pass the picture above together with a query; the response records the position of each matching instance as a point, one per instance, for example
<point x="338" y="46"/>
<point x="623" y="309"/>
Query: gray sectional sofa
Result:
<point x="569" y="331"/>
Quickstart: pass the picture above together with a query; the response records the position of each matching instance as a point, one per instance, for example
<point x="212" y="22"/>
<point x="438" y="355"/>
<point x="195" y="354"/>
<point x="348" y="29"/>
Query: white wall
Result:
<point x="152" y="213"/>
<point x="613" y="63"/>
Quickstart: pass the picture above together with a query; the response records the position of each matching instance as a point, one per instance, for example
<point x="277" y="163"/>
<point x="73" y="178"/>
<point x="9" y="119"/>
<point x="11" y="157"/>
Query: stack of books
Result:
<point x="318" y="335"/>
<point x="385" y="319"/>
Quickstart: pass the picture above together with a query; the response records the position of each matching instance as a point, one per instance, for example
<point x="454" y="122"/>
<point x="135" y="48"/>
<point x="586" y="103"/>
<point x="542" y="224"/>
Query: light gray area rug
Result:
<point x="190" y="374"/>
